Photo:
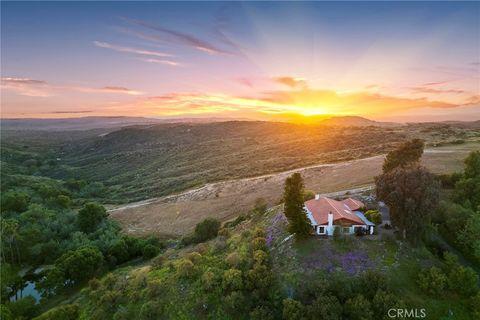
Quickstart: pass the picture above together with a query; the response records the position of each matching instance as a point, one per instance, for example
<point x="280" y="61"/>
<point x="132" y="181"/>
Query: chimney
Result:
<point x="317" y="197"/>
<point x="330" y="219"/>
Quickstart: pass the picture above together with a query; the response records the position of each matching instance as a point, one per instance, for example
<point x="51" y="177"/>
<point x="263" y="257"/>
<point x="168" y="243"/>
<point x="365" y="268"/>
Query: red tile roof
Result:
<point x="342" y="213"/>
<point x="353" y="204"/>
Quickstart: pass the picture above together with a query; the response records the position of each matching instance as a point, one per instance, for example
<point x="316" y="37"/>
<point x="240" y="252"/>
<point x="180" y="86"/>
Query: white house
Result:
<point x="326" y="214"/>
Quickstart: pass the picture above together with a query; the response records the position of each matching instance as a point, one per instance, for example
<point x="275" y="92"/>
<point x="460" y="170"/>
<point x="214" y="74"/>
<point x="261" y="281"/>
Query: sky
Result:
<point x="392" y="61"/>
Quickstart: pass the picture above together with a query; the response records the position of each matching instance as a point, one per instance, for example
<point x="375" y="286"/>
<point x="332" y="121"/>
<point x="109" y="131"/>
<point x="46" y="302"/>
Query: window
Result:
<point x="321" y="230"/>
<point x="346" y="230"/>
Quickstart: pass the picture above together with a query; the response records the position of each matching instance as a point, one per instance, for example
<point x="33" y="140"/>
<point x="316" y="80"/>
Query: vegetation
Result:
<point x="411" y="191"/>
<point x="293" y="196"/>
<point x="374" y="216"/>
<point x="458" y="217"/>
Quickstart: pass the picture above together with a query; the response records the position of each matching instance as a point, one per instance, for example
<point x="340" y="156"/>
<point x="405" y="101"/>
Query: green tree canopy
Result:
<point x="407" y="153"/>
<point x="293" y="196"/>
<point x="80" y="264"/>
<point x="90" y="216"/>
<point x="412" y="195"/>
<point x="207" y="229"/>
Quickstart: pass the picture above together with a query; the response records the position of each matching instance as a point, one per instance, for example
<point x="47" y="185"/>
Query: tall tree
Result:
<point x="404" y="155"/>
<point x="90" y="216"/>
<point x="298" y="222"/>
<point x="467" y="189"/>
<point x="412" y="193"/>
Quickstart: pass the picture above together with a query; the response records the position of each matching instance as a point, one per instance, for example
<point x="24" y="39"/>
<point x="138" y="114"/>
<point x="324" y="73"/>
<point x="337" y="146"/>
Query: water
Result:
<point x="29" y="290"/>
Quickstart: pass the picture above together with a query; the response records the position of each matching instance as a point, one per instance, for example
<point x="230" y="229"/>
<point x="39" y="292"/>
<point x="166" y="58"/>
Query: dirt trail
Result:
<point x="176" y="215"/>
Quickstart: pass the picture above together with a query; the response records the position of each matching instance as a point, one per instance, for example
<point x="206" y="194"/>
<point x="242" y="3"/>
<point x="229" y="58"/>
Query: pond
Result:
<point x="29" y="290"/>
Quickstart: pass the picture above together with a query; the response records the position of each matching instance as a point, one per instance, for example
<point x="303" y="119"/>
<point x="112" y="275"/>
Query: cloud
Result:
<point x="291" y="82"/>
<point x="41" y="88"/>
<point x="436" y="91"/>
<point x="162" y="61"/>
<point x="27" y="87"/>
<point x="71" y="112"/>
<point x="300" y="102"/>
<point x="181" y="38"/>
<point x="107" y="45"/>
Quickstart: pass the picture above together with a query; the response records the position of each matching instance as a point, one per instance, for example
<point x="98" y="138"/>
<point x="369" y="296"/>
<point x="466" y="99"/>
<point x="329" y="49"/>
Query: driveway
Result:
<point x="385" y="211"/>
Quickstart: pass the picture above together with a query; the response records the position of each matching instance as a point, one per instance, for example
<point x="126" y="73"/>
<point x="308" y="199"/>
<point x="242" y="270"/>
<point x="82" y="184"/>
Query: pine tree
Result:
<point x="298" y="222"/>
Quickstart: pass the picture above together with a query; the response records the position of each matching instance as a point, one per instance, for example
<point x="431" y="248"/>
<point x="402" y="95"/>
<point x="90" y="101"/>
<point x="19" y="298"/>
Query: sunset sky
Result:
<point x="410" y="61"/>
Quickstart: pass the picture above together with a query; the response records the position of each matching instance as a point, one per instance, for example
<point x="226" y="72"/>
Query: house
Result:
<point x="326" y="214"/>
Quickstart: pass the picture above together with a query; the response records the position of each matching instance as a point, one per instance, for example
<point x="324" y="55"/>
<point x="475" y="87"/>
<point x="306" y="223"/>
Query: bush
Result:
<point x="209" y="280"/>
<point x="325" y="307"/>
<point x="151" y="310"/>
<point x="90" y="216"/>
<point x="261" y="313"/>
<point x="24" y="308"/>
<point x="232" y="280"/>
<point x="158" y="261"/>
<point x="233" y="260"/>
<point x="80" y="264"/>
<point x="64" y="312"/>
<point x="308" y="195"/>
<point x="206" y="230"/>
<point x="259" y="233"/>
<point x="259" y="243"/>
<point x="260" y="257"/>
<point x="194" y="256"/>
<point x="185" y="268"/>
<point x="293" y="310"/>
<point x="374" y="216"/>
<point x="432" y="281"/>
<point x="14" y="201"/>
<point x="260" y="206"/>
<point x="463" y="280"/>
<point x="235" y="302"/>
<point x="150" y="251"/>
<point x="358" y="308"/>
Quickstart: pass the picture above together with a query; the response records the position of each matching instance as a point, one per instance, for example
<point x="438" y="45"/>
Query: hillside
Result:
<point x="356" y="121"/>
<point x="147" y="161"/>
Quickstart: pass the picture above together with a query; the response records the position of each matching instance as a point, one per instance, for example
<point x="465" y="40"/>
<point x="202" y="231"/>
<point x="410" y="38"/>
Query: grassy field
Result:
<point x="176" y="215"/>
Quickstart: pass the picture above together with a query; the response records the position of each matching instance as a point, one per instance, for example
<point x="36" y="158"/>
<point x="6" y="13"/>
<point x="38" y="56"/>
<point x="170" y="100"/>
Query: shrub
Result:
<point x="207" y="229"/>
<point x="90" y="216"/>
<point x="158" y="261"/>
<point x="374" y="216"/>
<point x="24" y="308"/>
<point x="232" y="280"/>
<point x="185" y="268"/>
<point x="358" y="308"/>
<point x="194" y="256"/>
<point x="262" y="313"/>
<point x="432" y="281"/>
<point x="80" y="264"/>
<point x="293" y="310"/>
<point x="382" y="302"/>
<point x="260" y="206"/>
<point x="463" y="280"/>
<point x="14" y="201"/>
<point x="260" y="257"/>
<point x="155" y="288"/>
<point x="233" y="260"/>
<point x="64" y="312"/>
<point x="259" y="233"/>
<point x="149" y="251"/>
<point x="325" y="307"/>
<point x="308" y="195"/>
<point x="151" y="310"/>
<point x="235" y="302"/>
<point x="259" y="243"/>
<point x="209" y="280"/>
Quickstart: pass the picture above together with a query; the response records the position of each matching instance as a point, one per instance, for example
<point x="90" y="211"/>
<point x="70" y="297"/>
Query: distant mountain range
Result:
<point x="89" y="123"/>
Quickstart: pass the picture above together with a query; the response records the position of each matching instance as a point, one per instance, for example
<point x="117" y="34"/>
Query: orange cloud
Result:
<point x="41" y="88"/>
<point x="291" y="82"/>
<point x="304" y="102"/>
